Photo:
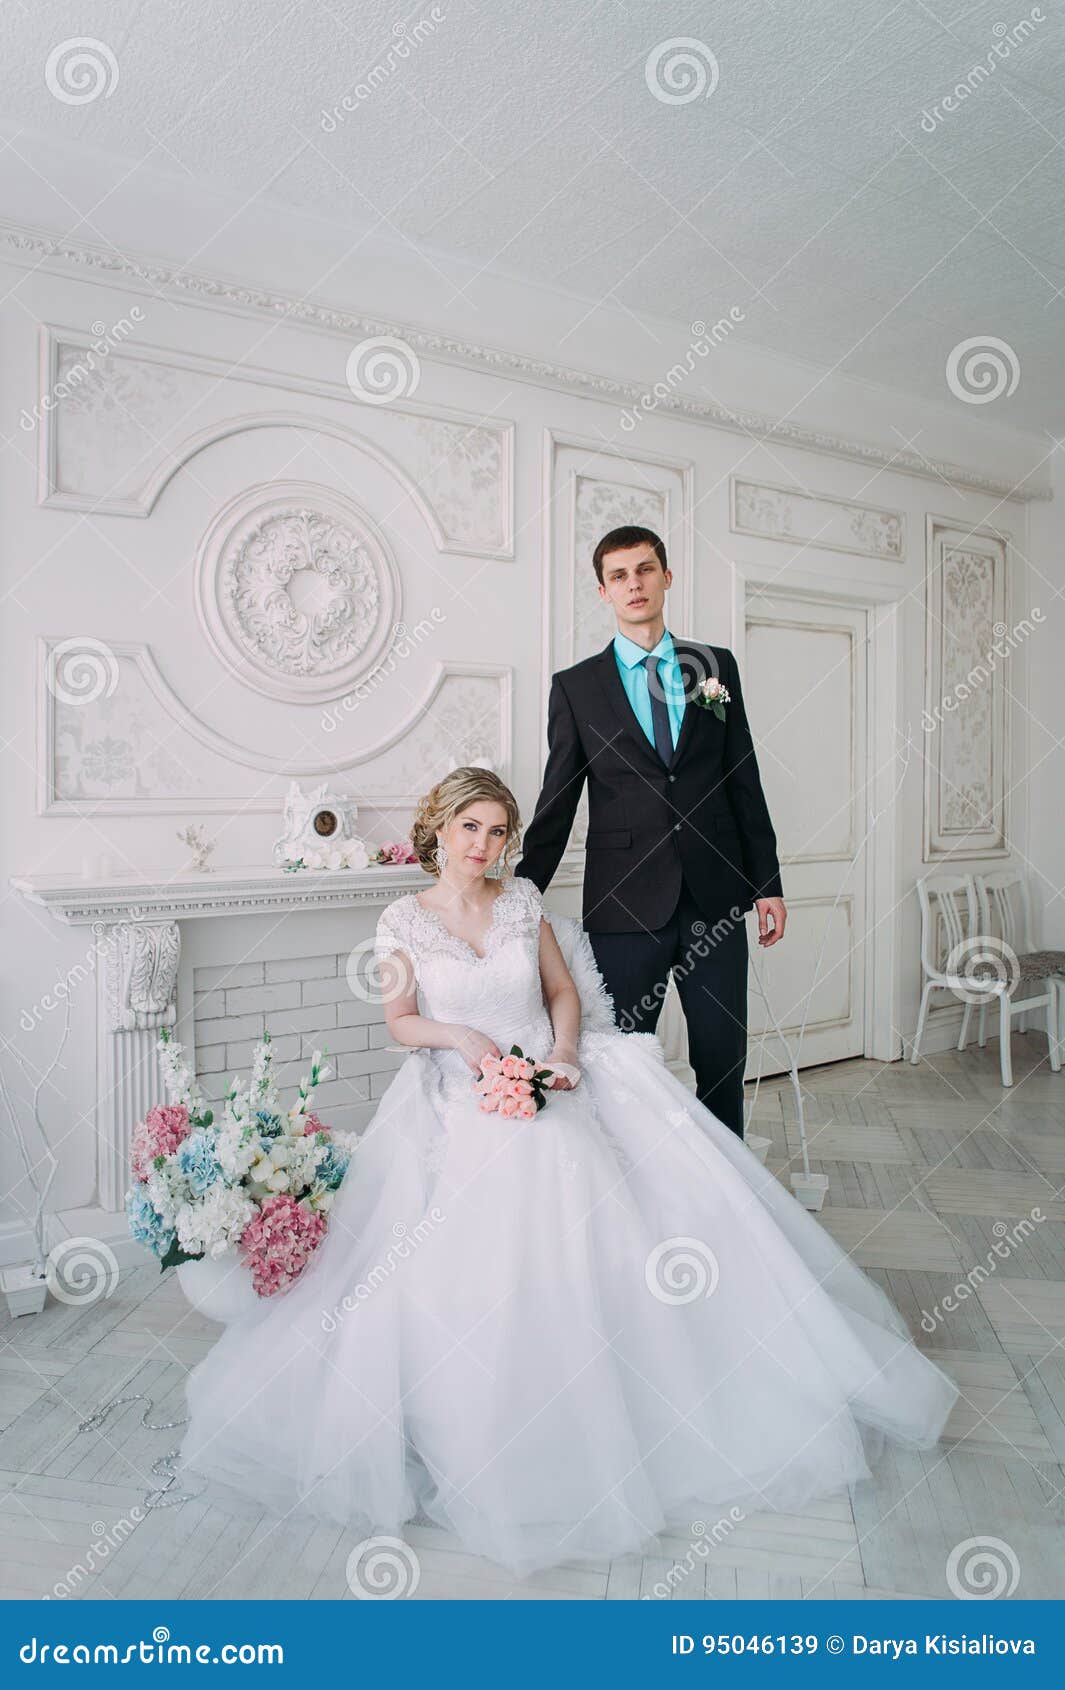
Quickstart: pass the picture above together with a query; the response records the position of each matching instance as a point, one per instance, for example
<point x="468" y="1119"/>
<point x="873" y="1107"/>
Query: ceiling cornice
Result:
<point x="37" y="249"/>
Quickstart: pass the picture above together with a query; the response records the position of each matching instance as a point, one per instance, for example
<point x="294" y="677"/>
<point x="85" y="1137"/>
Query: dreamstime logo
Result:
<point x="1006" y="1237"/>
<point x="405" y="642"/>
<point x="981" y="967"/>
<point x="632" y="1020"/>
<point x="982" y="1569"/>
<point x="81" y="670"/>
<point x="700" y="346"/>
<point x="103" y="947"/>
<point x="681" y="1270"/>
<point x="703" y="1539"/>
<point x="982" y="369"/>
<point x="405" y="1241"/>
<point x="377" y="976"/>
<point x="1006" y="640"/>
<point x="381" y="370"/>
<point x="681" y="70"/>
<point x="1005" y="41"/>
<point x="77" y="370"/>
<point x="408" y="36"/>
<point x="81" y="1271"/>
<point x="106" y="1540"/>
<point x="78" y="71"/>
<point x="381" y="1569"/>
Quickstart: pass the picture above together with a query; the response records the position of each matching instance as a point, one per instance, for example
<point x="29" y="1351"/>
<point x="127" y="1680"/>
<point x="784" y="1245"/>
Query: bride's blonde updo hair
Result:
<point x="448" y="798"/>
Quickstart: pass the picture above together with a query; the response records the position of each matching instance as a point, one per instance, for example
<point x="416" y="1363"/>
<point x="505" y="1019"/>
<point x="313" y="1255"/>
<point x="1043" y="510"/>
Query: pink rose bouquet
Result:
<point x="512" y="1085"/>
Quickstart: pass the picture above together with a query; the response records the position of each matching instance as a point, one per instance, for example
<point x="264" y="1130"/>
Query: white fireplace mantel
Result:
<point x="123" y="899"/>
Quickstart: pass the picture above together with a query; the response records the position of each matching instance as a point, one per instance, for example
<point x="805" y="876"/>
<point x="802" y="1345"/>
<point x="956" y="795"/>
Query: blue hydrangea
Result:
<point x="197" y="1161"/>
<point x="269" y="1124"/>
<point x="146" y="1224"/>
<point x="332" y="1167"/>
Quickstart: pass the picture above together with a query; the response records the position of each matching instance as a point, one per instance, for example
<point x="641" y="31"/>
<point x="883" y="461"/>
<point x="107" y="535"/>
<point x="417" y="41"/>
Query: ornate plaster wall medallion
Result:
<point x="297" y="591"/>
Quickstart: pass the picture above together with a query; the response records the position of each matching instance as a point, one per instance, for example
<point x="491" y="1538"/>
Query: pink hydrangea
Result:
<point x="313" y="1125"/>
<point x="280" y="1241"/>
<point x="159" y="1134"/>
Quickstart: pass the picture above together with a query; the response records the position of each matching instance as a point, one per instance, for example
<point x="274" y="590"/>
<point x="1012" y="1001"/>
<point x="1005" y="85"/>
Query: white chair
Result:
<point x="1029" y="979"/>
<point x="938" y="895"/>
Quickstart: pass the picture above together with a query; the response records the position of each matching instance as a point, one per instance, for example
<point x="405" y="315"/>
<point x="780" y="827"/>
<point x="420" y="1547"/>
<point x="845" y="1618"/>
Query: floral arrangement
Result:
<point x="398" y="854"/>
<point x="347" y="853"/>
<point x="711" y="695"/>
<point x="513" y="1084"/>
<point x="353" y="853"/>
<point x="260" y="1181"/>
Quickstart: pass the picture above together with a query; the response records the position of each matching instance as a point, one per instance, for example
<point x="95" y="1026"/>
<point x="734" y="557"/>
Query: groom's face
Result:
<point x="635" y="583"/>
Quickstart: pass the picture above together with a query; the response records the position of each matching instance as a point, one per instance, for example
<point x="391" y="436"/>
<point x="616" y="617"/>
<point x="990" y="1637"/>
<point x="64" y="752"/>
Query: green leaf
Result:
<point x="719" y="709"/>
<point x="175" y="1255"/>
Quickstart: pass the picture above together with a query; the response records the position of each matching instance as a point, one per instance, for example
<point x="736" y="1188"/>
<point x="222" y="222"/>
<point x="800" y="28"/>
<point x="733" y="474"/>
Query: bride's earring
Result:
<point x="440" y="855"/>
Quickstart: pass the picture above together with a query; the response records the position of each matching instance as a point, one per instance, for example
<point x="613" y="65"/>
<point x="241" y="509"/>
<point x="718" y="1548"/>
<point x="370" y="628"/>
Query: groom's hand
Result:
<point x="772" y="919"/>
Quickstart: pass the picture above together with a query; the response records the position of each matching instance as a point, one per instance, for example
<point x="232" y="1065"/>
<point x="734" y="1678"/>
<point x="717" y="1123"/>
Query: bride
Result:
<point x="555" y="1336"/>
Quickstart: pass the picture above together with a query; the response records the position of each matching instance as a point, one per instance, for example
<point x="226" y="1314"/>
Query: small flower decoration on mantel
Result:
<point x="349" y="853"/>
<point x="397" y="854"/>
<point x="711" y="695"/>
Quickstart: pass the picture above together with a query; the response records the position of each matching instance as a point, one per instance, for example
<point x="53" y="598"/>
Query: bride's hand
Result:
<point x="565" y="1059"/>
<point x="472" y="1046"/>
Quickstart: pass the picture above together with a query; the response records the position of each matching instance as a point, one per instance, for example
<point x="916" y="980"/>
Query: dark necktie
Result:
<point x="659" y="712"/>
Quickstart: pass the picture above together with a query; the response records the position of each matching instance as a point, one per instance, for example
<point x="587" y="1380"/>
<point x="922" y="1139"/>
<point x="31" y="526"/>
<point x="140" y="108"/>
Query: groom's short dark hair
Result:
<point x="623" y="540"/>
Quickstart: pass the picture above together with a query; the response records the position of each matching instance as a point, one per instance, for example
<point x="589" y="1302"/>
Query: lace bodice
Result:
<point x="498" y="992"/>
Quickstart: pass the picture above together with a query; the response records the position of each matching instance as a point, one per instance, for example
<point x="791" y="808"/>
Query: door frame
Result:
<point x="881" y="1038"/>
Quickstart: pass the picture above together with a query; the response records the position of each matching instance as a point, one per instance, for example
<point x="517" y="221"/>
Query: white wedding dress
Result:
<point x="555" y="1337"/>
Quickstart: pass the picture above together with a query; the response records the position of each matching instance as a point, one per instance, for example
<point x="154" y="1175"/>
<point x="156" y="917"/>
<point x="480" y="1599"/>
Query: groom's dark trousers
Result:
<point x="709" y="964"/>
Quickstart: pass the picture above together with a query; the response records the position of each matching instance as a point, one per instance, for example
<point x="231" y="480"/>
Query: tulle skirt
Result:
<point x="558" y="1338"/>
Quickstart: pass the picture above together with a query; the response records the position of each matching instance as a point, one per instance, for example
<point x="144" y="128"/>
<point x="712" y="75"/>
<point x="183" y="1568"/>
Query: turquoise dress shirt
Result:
<point x="630" y="660"/>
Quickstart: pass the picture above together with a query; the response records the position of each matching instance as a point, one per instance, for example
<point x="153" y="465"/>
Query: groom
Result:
<point x="679" y="842"/>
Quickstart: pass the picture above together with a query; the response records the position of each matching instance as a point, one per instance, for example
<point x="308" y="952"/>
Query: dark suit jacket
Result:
<point x="704" y="816"/>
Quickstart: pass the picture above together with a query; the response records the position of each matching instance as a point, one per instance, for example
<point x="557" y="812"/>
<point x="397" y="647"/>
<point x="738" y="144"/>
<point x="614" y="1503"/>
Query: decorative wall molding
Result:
<point x="297" y="591"/>
<point x="457" y="468"/>
<point x="835" y="630"/>
<point x="823" y="1024"/>
<point x="773" y="512"/>
<point x="33" y="248"/>
<point x="592" y="496"/>
<point x="90" y="757"/>
<point x="966" y="752"/>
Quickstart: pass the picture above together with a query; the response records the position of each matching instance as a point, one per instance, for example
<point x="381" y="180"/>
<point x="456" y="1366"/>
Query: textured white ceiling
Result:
<point x="524" y="137"/>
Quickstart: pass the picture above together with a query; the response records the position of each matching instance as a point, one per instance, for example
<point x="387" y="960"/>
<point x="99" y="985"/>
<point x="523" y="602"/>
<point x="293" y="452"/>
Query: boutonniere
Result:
<point x="711" y="695"/>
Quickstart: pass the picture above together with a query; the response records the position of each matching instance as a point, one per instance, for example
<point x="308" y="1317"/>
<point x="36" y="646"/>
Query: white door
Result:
<point x="803" y="671"/>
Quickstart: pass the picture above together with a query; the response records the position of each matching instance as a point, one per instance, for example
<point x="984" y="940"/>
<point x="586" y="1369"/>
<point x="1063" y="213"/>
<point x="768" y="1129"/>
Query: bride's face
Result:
<point x="476" y="838"/>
